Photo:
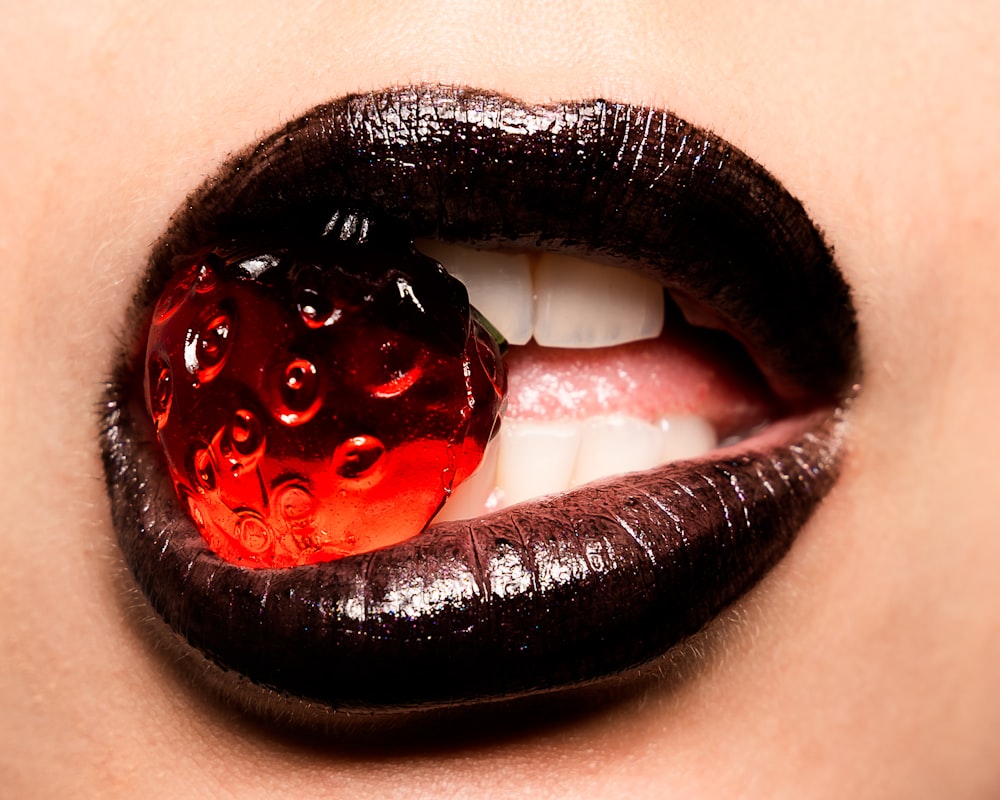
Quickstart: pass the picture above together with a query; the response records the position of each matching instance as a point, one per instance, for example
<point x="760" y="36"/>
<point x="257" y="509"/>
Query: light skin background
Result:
<point x="864" y="666"/>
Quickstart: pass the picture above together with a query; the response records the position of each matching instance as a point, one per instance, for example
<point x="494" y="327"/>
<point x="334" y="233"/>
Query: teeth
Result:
<point x="560" y="300"/>
<point x="582" y="304"/>
<point x="531" y="458"/>
<point x="476" y="494"/>
<point x="535" y="458"/>
<point x="499" y="285"/>
<point x="613" y="445"/>
<point x="686" y="437"/>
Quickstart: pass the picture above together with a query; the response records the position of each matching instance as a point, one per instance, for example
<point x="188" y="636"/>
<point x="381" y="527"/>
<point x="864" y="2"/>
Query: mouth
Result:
<point x="560" y="590"/>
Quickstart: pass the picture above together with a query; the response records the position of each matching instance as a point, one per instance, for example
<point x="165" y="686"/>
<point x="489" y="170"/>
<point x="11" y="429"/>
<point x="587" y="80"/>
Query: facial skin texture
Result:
<point x="863" y="666"/>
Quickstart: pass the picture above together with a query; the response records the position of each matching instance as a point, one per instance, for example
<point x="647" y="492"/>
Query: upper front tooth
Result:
<point x="499" y="285"/>
<point x="582" y="304"/>
<point x="560" y="300"/>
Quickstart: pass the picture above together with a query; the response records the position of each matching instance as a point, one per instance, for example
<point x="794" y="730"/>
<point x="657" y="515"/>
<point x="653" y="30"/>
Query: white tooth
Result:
<point x="686" y="437"/>
<point x="582" y="304"/>
<point x="529" y="459"/>
<point x="499" y="285"/>
<point x="472" y="497"/>
<point x="614" y="445"/>
<point x="536" y="458"/>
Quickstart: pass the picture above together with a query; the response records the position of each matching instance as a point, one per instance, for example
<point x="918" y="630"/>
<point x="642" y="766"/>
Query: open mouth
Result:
<point x="605" y="377"/>
<point x="569" y="587"/>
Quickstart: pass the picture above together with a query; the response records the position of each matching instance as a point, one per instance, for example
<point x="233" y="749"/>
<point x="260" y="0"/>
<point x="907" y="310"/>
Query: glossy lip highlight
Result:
<point x="565" y="589"/>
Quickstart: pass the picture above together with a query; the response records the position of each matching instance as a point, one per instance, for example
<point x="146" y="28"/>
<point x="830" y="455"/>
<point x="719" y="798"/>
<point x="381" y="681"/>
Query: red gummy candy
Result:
<point x="317" y="404"/>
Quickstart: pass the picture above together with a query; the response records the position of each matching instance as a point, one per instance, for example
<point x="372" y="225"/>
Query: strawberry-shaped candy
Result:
<point x="318" y="401"/>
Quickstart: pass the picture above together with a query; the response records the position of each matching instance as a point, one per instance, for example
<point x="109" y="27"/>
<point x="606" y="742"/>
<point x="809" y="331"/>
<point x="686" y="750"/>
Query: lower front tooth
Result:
<point x="614" y="445"/>
<point x="686" y="437"/>
<point x="530" y="458"/>
<point x="536" y="458"/>
<point x="476" y="495"/>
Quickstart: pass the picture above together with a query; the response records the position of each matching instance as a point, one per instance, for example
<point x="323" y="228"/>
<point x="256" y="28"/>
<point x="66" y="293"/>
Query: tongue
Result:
<point x="648" y="380"/>
<point x="625" y="393"/>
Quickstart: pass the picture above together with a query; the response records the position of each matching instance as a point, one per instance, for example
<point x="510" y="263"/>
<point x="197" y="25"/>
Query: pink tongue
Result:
<point x="649" y="380"/>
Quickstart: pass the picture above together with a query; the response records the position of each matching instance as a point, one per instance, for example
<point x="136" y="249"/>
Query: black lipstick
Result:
<point x="555" y="592"/>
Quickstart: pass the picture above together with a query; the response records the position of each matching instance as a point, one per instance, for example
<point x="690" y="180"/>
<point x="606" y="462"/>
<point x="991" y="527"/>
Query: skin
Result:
<point x="863" y="666"/>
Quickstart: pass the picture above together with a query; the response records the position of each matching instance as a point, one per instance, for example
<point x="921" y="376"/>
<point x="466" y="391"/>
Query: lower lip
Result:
<point x="550" y="593"/>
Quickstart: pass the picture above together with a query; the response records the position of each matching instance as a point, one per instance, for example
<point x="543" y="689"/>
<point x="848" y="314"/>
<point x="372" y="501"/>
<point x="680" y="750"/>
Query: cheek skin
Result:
<point x="871" y="645"/>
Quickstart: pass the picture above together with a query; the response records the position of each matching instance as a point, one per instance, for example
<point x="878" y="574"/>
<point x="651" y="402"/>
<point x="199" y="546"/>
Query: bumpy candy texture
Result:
<point x="318" y="402"/>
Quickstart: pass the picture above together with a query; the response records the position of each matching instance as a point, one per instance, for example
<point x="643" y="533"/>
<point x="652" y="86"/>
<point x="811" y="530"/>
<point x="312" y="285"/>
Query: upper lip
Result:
<point x="565" y="589"/>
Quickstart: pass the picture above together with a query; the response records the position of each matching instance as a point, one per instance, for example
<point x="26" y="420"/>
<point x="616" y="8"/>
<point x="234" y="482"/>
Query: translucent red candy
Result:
<point x="317" y="403"/>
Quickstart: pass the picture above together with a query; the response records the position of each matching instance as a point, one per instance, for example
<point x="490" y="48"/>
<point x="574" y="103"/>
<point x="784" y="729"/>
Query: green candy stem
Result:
<point x="490" y="329"/>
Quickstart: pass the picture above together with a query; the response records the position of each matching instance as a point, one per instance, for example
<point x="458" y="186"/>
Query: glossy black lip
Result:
<point x="559" y="591"/>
